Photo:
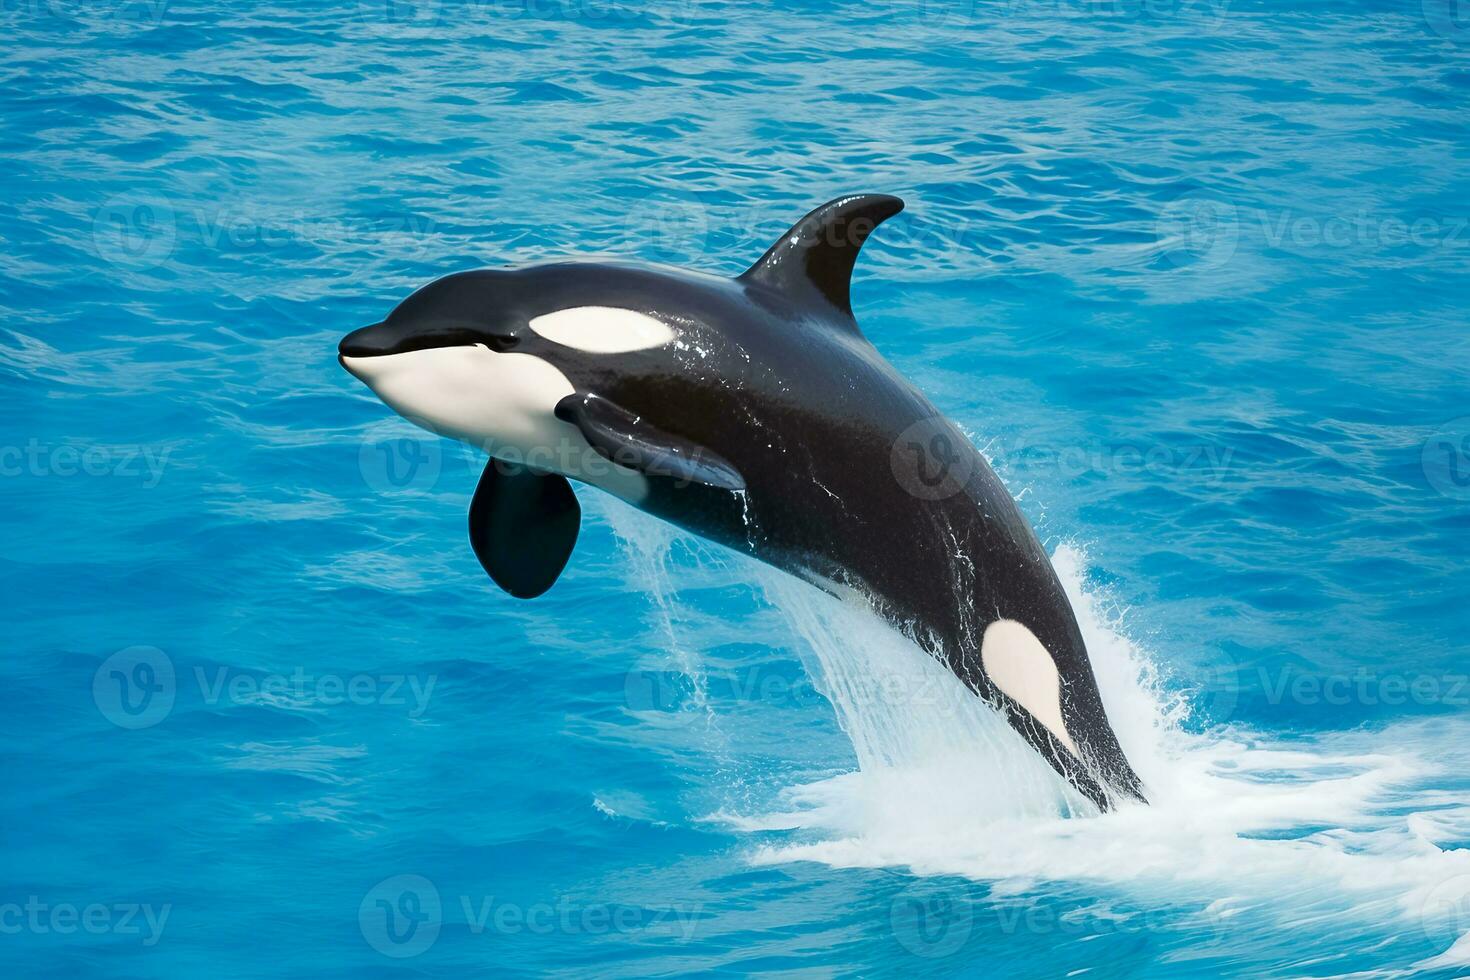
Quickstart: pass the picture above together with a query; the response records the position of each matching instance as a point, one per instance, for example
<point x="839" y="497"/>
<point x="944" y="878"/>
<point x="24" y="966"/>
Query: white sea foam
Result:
<point x="1237" y="819"/>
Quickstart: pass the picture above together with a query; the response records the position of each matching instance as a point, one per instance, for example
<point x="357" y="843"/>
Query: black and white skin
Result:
<point x="753" y="412"/>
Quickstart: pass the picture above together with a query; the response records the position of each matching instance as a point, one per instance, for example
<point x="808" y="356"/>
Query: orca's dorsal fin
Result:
<point x="816" y="256"/>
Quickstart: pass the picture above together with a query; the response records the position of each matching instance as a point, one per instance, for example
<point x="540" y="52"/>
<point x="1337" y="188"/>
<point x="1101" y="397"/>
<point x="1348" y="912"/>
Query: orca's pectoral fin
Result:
<point x="628" y="440"/>
<point x="523" y="526"/>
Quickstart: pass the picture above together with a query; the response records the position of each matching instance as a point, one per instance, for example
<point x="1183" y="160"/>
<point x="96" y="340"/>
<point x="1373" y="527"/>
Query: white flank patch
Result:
<point x="1017" y="663"/>
<point x="603" y="329"/>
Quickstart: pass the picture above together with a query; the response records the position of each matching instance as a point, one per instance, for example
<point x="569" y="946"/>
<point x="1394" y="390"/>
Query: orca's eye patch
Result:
<point x="385" y="338"/>
<point x="602" y="329"/>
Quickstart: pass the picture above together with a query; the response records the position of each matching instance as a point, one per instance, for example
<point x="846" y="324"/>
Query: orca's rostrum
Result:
<point x="751" y="411"/>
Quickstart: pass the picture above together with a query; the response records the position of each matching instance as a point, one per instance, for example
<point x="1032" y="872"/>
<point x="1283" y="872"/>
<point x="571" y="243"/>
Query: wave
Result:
<point x="1241" y="822"/>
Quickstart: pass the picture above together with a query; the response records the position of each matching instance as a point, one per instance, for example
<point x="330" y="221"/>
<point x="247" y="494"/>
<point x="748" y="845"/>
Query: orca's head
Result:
<point x="486" y="356"/>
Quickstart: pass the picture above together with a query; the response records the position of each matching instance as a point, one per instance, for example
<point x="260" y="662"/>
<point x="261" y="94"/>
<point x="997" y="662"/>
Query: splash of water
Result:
<point x="1237" y="818"/>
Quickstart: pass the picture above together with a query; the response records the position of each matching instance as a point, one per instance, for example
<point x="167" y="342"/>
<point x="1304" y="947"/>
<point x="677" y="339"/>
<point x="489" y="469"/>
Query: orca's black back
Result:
<point x="851" y="476"/>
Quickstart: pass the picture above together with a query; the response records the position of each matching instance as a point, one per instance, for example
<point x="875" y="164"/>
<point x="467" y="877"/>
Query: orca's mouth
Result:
<point x="369" y="341"/>
<point x="382" y="339"/>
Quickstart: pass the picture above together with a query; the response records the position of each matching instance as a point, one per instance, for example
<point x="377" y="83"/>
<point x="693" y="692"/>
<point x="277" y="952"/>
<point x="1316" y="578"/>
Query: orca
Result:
<point x="751" y="411"/>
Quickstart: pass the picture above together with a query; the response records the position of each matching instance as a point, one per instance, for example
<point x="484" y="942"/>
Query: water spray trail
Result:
<point x="1241" y="823"/>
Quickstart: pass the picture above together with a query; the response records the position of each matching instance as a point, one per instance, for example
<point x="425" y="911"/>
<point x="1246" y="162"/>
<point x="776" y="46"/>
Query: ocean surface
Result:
<point x="1193" y="273"/>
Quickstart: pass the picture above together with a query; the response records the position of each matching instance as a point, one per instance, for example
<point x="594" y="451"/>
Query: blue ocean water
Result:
<point x="1192" y="272"/>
